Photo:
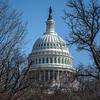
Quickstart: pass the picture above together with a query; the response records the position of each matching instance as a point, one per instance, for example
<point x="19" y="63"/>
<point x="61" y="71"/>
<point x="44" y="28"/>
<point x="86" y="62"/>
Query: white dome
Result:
<point x="50" y="51"/>
<point x="50" y="41"/>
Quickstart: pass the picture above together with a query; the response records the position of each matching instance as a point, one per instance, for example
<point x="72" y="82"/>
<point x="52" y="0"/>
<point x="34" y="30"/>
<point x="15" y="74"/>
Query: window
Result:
<point x="47" y="44"/>
<point x="36" y="60"/>
<point x="44" y="44"/>
<point x="43" y="60"/>
<point x="47" y="60"/>
<point x="51" y="45"/>
<point x="50" y="60"/>
<point x="54" y="45"/>
<point x="55" y="60"/>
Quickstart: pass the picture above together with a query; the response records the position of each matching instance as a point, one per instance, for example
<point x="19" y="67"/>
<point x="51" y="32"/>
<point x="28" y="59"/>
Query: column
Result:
<point x="61" y="76"/>
<point x="64" y="76"/>
<point x="67" y="75"/>
<point x="44" y="74"/>
<point x="48" y="75"/>
<point x="61" y="60"/>
<point x="34" y="75"/>
<point x="39" y="75"/>
<point x="53" y="75"/>
<point x="58" y="76"/>
<point x="52" y="59"/>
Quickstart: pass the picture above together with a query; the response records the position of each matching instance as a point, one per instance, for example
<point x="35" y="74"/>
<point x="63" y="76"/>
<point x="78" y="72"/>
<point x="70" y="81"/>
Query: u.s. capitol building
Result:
<point x="50" y="60"/>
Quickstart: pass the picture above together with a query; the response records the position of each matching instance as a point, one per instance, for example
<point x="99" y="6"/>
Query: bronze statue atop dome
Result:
<point x="50" y="13"/>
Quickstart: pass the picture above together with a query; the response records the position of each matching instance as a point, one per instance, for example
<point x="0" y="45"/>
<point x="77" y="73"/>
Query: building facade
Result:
<point x="50" y="60"/>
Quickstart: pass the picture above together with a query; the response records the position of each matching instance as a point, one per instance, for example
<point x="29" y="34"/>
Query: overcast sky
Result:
<point x="35" y="12"/>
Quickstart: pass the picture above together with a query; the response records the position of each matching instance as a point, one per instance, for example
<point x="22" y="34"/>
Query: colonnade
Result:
<point x="57" y="60"/>
<point x="51" y="75"/>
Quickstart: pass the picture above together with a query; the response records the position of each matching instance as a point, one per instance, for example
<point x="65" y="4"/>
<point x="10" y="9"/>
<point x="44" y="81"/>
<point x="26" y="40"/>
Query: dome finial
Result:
<point x="50" y="23"/>
<point x="50" y="13"/>
<point x="50" y="10"/>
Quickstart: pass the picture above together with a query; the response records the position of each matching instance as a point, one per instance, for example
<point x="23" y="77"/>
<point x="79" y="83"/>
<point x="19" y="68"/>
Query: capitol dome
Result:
<point x="50" y="41"/>
<point x="50" y="58"/>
